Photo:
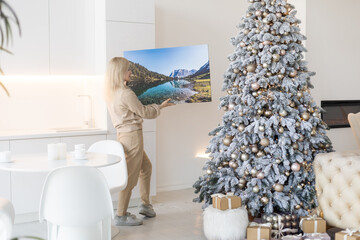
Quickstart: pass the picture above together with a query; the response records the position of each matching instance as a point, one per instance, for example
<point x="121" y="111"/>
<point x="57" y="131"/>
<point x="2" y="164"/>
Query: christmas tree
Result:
<point x="271" y="131"/>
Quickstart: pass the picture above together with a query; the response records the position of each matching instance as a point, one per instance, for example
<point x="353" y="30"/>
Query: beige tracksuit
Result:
<point x="127" y="113"/>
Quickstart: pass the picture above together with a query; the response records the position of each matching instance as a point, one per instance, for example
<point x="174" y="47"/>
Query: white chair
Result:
<point x="7" y="215"/>
<point x="116" y="175"/>
<point x="76" y="204"/>
<point x="354" y="120"/>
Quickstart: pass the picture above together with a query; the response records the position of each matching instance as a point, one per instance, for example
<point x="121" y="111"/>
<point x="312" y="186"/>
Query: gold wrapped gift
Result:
<point x="313" y="224"/>
<point x="224" y="202"/>
<point x="257" y="231"/>
<point x="348" y="234"/>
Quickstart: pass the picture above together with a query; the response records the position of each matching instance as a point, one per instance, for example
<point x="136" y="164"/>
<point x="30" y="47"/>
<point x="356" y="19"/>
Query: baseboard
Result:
<point x="174" y="187"/>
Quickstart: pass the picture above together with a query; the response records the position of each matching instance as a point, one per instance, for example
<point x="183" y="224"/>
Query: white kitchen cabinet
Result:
<point x="87" y="140"/>
<point x="140" y="11"/>
<point x="5" y="191"/>
<point x="72" y="37"/>
<point x="31" y="49"/>
<point x="122" y="36"/>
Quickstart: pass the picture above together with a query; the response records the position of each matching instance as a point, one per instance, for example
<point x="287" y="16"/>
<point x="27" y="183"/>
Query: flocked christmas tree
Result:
<point x="271" y="131"/>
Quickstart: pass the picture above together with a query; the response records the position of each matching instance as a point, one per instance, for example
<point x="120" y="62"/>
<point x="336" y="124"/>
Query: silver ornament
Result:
<point x="244" y="156"/>
<point x="264" y="142"/>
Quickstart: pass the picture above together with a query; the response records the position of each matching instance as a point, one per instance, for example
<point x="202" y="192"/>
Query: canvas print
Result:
<point x="179" y="73"/>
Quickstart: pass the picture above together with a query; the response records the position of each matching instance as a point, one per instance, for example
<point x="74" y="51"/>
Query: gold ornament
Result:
<point x="225" y="163"/>
<point x="281" y="130"/>
<point x="283" y="52"/>
<point x="241" y="185"/>
<point x="256" y="189"/>
<point x="278" y="161"/>
<point x="283" y="113"/>
<point x="244" y="156"/>
<point x="233" y="165"/>
<point x="260" y="111"/>
<point x="246" y="31"/>
<point x="300" y="94"/>
<point x="251" y="68"/>
<point x="287" y="173"/>
<point x="220" y="167"/>
<point x="241" y="113"/>
<point x="268" y="113"/>
<point x="295" y="167"/>
<point x="313" y="132"/>
<point x="305" y="116"/>
<point x="236" y="70"/>
<point x="265" y="65"/>
<point x="260" y="154"/>
<point x="279" y="15"/>
<point x="234" y="156"/>
<point x="273" y="32"/>
<point x="209" y="171"/>
<point x="264" y="200"/>
<point x="255" y="94"/>
<point x="260" y="175"/>
<point x="278" y="187"/>
<point x="231" y="106"/>
<point x="253" y="172"/>
<point x="234" y="125"/>
<point x="261" y="128"/>
<point x="269" y="74"/>
<point x="267" y="42"/>
<point x="255" y="86"/>
<point x="276" y="57"/>
<point x="293" y="73"/>
<point x="227" y="141"/>
<point x="264" y="142"/>
<point x="243" y="148"/>
<point x="258" y="13"/>
<point x="295" y="146"/>
<point x="242" y="44"/>
<point x="316" y="114"/>
<point x="301" y="138"/>
<point x="246" y="172"/>
<point x="245" y="72"/>
<point x="241" y="127"/>
<point x="297" y="206"/>
<point x="297" y="124"/>
<point x="254" y="149"/>
<point x="281" y="77"/>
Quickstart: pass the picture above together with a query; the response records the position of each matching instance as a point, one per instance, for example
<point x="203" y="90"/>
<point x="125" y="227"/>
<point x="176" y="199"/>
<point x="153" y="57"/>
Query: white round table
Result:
<point x="40" y="163"/>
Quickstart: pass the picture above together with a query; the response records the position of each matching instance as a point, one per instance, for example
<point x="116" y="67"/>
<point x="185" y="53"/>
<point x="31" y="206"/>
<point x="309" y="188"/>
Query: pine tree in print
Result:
<point x="271" y="130"/>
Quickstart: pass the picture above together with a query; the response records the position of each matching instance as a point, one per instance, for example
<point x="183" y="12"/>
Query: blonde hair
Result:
<point x="114" y="78"/>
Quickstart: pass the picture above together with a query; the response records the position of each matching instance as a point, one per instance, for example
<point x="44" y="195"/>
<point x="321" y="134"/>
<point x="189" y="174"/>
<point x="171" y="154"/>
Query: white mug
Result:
<point x="53" y="153"/>
<point x="5" y="156"/>
<point x="62" y="151"/>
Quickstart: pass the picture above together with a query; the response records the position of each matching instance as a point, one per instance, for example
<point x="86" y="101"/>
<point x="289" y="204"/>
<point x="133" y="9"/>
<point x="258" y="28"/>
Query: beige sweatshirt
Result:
<point x="127" y="112"/>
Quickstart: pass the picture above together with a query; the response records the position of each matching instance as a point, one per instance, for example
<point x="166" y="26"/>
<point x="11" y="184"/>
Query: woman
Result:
<point x="127" y="114"/>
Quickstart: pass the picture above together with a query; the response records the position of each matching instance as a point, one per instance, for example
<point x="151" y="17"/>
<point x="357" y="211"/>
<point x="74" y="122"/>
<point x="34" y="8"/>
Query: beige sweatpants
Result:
<point x="139" y="167"/>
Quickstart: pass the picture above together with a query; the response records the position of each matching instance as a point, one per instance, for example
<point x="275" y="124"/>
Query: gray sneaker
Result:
<point x="147" y="210"/>
<point x="127" y="220"/>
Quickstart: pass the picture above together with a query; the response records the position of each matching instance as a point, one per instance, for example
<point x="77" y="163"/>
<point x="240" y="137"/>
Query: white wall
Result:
<point x="333" y="50"/>
<point x="183" y="130"/>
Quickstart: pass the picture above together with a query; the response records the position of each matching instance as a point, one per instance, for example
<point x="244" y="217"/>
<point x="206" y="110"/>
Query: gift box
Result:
<point x="347" y="235"/>
<point x="316" y="236"/>
<point x="224" y="202"/>
<point x="313" y="224"/>
<point x="256" y="231"/>
<point x="292" y="237"/>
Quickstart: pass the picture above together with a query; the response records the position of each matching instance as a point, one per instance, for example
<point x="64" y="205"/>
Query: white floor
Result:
<point x="178" y="218"/>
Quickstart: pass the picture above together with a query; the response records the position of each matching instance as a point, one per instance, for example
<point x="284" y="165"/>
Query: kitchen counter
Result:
<point x="46" y="133"/>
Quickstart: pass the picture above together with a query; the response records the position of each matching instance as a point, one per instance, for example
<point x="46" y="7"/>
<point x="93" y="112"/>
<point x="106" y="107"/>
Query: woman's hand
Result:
<point x="166" y="103"/>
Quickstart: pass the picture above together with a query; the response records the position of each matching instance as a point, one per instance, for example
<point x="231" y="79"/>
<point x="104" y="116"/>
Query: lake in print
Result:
<point x="178" y="90"/>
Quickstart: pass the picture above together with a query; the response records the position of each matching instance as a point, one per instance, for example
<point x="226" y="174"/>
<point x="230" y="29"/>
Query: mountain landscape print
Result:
<point x="179" y="73"/>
